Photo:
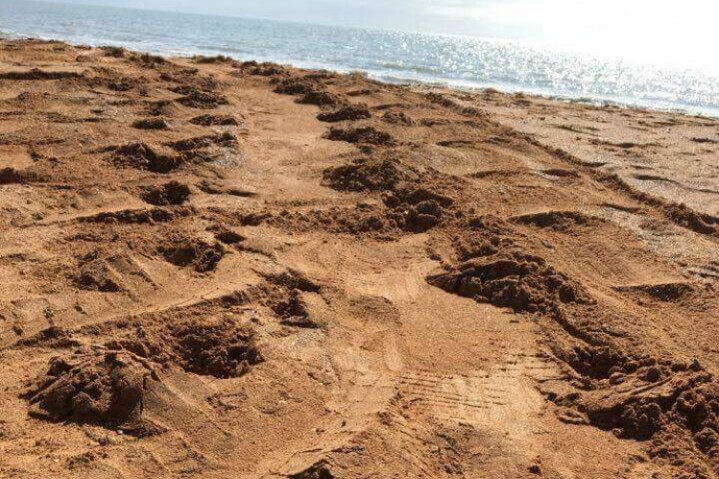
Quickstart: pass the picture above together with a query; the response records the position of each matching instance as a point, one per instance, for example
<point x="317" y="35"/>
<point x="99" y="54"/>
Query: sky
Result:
<point x="665" y="32"/>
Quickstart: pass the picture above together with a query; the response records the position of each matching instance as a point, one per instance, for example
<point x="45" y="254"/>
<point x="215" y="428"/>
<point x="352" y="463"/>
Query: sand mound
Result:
<point x="293" y="311"/>
<point x="320" y="98"/>
<point x="445" y="101"/>
<point x="138" y="216"/>
<point x="639" y="398"/>
<point x="226" y="139"/>
<point x="38" y="74"/>
<point x="423" y="209"/>
<point x="229" y="237"/>
<point x="115" y="52"/>
<point x="365" y="135"/>
<point x="148" y="60"/>
<point x="192" y="151"/>
<point x="142" y="156"/>
<point x="151" y="124"/>
<point x="96" y="275"/>
<point x="382" y="220"/>
<point x="360" y="92"/>
<point x="203" y="100"/>
<point x="410" y="207"/>
<point x="319" y="470"/>
<point x="105" y="388"/>
<point x="187" y="90"/>
<point x="165" y="108"/>
<point x="294" y="280"/>
<point x="556" y="220"/>
<point x="366" y="174"/>
<point x="355" y="221"/>
<point x="284" y="295"/>
<point x="519" y="281"/>
<point x="398" y="118"/>
<point x="415" y="195"/>
<point x="296" y="86"/>
<point x="667" y="292"/>
<point x="322" y="75"/>
<point x="120" y="85"/>
<point x="346" y="113"/>
<point x="698" y="222"/>
<point x="202" y="256"/>
<point x="217" y="188"/>
<point x="214" y="349"/>
<point x="265" y="69"/>
<point x="52" y="337"/>
<point x="469" y="247"/>
<point x="218" y="348"/>
<point x="218" y="59"/>
<point x="678" y="213"/>
<point x="310" y="90"/>
<point x="561" y="173"/>
<point x="172" y="193"/>
<point x="10" y="176"/>
<point x="424" y="216"/>
<point x="111" y="80"/>
<point x="215" y="120"/>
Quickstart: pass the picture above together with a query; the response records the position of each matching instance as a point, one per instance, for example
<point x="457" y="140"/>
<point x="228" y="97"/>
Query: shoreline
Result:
<point x="699" y="112"/>
<point x="631" y="82"/>
<point x="428" y="83"/>
<point x="221" y="269"/>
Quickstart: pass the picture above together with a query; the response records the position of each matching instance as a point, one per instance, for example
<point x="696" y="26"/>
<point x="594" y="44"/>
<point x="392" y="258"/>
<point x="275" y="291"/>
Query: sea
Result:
<point x="391" y="56"/>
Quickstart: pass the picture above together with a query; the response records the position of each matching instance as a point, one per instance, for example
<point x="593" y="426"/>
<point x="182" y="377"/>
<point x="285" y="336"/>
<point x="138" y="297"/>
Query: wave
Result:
<point x="390" y="56"/>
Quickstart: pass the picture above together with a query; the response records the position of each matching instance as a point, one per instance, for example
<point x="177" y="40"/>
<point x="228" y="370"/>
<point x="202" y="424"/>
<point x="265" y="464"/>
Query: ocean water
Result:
<point x="390" y="56"/>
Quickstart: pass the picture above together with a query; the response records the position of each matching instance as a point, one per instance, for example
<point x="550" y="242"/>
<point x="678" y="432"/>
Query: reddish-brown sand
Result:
<point x="214" y="269"/>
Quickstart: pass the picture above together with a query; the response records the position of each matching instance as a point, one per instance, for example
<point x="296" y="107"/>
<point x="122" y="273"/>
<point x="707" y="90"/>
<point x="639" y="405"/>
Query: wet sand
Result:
<point x="219" y="269"/>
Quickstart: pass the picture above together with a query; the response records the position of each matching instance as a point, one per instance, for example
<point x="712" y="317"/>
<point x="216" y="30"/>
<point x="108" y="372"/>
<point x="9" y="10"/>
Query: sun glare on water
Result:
<point x="664" y="33"/>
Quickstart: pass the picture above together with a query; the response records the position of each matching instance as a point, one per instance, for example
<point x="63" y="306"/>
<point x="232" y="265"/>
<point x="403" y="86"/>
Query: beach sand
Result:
<point x="219" y="269"/>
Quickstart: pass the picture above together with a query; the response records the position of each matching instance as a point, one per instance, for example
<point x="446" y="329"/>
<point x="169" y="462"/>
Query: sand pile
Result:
<point x="106" y="388"/>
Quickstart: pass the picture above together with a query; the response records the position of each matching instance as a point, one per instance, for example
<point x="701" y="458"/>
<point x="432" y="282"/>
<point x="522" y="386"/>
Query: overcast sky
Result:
<point x="665" y="31"/>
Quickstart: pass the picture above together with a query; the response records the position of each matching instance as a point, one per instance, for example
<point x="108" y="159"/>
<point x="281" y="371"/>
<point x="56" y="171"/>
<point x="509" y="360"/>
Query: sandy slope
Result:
<point x="221" y="270"/>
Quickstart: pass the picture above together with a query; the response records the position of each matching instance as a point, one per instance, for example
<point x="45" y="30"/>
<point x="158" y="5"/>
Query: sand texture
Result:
<point x="213" y="269"/>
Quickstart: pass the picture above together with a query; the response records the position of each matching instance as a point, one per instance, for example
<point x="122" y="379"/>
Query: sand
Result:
<point x="219" y="269"/>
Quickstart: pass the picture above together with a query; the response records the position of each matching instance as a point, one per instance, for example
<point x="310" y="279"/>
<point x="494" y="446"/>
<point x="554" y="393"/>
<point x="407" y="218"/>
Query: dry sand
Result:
<point x="223" y="270"/>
